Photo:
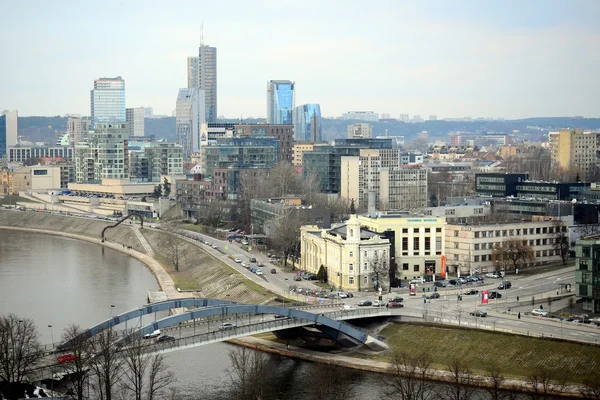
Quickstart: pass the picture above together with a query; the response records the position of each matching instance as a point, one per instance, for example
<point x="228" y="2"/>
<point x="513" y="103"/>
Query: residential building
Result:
<point x="135" y="119"/>
<point x="240" y="153"/>
<point x="105" y="155"/>
<point x="469" y="247"/>
<point x="587" y="272"/>
<point x="449" y="153"/>
<point x="307" y="123"/>
<point x="283" y="133"/>
<point x="298" y="150"/>
<point x="21" y="154"/>
<point x="417" y="244"/>
<point x="108" y="100"/>
<point x="395" y="186"/>
<point x="77" y="129"/>
<point x="8" y="130"/>
<point x="155" y="161"/>
<point x="369" y="116"/>
<point x="190" y="115"/>
<point x="360" y="130"/>
<point x="574" y="150"/>
<point x="498" y="184"/>
<point x="325" y="160"/>
<point x="280" y="102"/>
<point x="265" y="212"/>
<point x="411" y="158"/>
<point x="347" y="252"/>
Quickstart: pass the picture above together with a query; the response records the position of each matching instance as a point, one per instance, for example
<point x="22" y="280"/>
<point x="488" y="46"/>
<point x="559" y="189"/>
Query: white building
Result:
<point x="361" y="116"/>
<point x="77" y="130"/>
<point x="190" y="114"/>
<point x="360" y="131"/>
<point x="8" y="130"/>
<point x="135" y="119"/>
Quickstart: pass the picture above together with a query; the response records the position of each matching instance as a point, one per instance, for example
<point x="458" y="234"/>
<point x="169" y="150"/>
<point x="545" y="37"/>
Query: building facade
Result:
<point x="189" y="117"/>
<point x="498" y="184"/>
<point x="360" y="131"/>
<point x="135" y="118"/>
<point x="105" y="155"/>
<point x="587" y="272"/>
<point x="395" y="186"/>
<point x="298" y="150"/>
<point x="348" y="253"/>
<point x="155" y="161"/>
<point x="8" y="130"/>
<point x="21" y="154"/>
<point x="280" y="102"/>
<point x="550" y="190"/>
<point x="265" y="212"/>
<point x="574" y="149"/>
<point x="469" y="247"/>
<point x="107" y="100"/>
<point x="77" y="130"/>
<point x="192" y="72"/>
<point x="240" y="153"/>
<point x="283" y="133"/>
<point x="307" y="123"/>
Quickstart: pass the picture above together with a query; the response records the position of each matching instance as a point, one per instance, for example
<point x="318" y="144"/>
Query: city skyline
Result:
<point x="505" y="59"/>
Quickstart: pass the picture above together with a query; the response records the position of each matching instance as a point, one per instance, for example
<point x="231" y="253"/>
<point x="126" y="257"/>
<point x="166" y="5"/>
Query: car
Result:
<point x="393" y="304"/>
<point x="226" y="326"/>
<point x="539" y="312"/>
<point x="214" y="246"/>
<point x="238" y="260"/>
<point x="245" y="243"/>
<point x="453" y="282"/>
<point x="504" y="285"/>
<point x="494" y="275"/>
<point x="243" y="264"/>
<point x="434" y="295"/>
<point x="252" y="259"/>
<point x="365" y="303"/>
<point x="311" y="277"/>
<point x="64" y="358"/>
<point x="494" y="295"/>
<point x="152" y="335"/>
<point x="396" y="299"/>
<point x="418" y="280"/>
<point x="165" y="338"/>
<point x="479" y="313"/>
<point x="253" y="270"/>
<point x="461" y="280"/>
<point x="280" y="316"/>
<point x="297" y="278"/>
<point x="346" y="307"/>
<point x="378" y="303"/>
<point x="273" y="271"/>
<point x="342" y="295"/>
<point x="440" y="284"/>
<point x="471" y="292"/>
<point x="258" y="271"/>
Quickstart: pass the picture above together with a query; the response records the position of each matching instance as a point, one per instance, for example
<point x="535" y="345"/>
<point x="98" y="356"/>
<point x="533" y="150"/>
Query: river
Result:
<point x="57" y="281"/>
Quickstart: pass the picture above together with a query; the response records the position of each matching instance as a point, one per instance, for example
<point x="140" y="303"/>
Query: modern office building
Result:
<point x="192" y="72"/>
<point x="105" y="155"/>
<point x="283" y="133"/>
<point x="395" y="186"/>
<point x="550" y="190"/>
<point x="20" y="153"/>
<point x="575" y="150"/>
<point x="587" y="272"/>
<point x="202" y="74"/>
<point x="498" y="184"/>
<point x="156" y="160"/>
<point x="8" y="130"/>
<point x="360" y="130"/>
<point x="280" y="102"/>
<point x="77" y="130"/>
<point x="135" y="119"/>
<point x="307" y="123"/>
<point x="266" y="212"/>
<point x="190" y="115"/>
<point x="107" y="100"/>
<point x="242" y="152"/>
<point x="325" y="160"/>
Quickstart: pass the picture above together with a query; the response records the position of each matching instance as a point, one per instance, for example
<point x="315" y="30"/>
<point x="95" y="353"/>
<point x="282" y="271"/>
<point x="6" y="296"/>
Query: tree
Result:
<point x="166" y="187"/>
<point x="330" y="382"/>
<point x="322" y="274"/>
<point x="408" y="377"/>
<point x="571" y="303"/>
<point x="561" y="240"/>
<point x="461" y="381"/>
<point x="173" y="243"/>
<point x="513" y="251"/>
<point x="78" y="369"/>
<point x="159" y="378"/>
<point x="496" y="381"/>
<point x="249" y="374"/>
<point x="379" y="268"/>
<point x="546" y="382"/>
<point x="107" y="365"/>
<point x="591" y="385"/>
<point x="20" y="349"/>
<point x="157" y="191"/>
<point x="286" y="237"/>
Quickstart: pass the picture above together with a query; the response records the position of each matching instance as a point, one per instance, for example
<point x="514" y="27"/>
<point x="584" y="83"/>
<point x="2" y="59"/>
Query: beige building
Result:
<point x="417" y="243"/>
<point x="396" y="186"/>
<point x="105" y="155"/>
<point x="360" y="131"/>
<point x="469" y="247"/>
<point x="298" y="150"/>
<point x="77" y="130"/>
<point x="574" y="149"/>
<point x="135" y="119"/>
<point x="348" y="252"/>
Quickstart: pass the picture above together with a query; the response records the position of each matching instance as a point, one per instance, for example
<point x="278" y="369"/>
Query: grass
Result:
<point x="194" y="228"/>
<point x="323" y="285"/>
<point x="11" y="199"/>
<point x="255" y="287"/>
<point x="182" y="279"/>
<point x="516" y="356"/>
<point x="541" y="270"/>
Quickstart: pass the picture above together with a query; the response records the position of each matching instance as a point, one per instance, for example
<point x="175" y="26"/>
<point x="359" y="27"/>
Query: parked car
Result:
<point x="152" y="335"/>
<point x="440" y="284"/>
<point x="538" y="312"/>
<point x="461" y="280"/>
<point x="504" y="285"/>
<point x="253" y="259"/>
<point x="346" y="307"/>
<point x="393" y="304"/>
<point x="165" y="338"/>
<point x="453" y="282"/>
<point x="479" y="313"/>
<point x="243" y="264"/>
<point x="494" y="295"/>
<point x="434" y="295"/>
<point x="297" y="278"/>
<point x="342" y="295"/>
<point x="214" y="246"/>
<point x="471" y="292"/>
<point x="273" y="271"/>
<point x="311" y="277"/>
<point x="226" y="325"/>
<point x="365" y="303"/>
<point x="378" y="303"/>
<point x="258" y="271"/>
<point x="64" y="358"/>
<point x="418" y="280"/>
<point x="396" y="299"/>
<point x="238" y="260"/>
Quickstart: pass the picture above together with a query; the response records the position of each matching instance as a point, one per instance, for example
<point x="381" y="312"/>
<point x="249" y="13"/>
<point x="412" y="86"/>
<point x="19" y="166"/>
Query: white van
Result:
<point x="418" y="280"/>
<point x="152" y="335"/>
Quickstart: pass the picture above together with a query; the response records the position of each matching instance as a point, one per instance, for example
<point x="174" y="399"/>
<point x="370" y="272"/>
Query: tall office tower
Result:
<point x="202" y="74"/>
<point x="307" y="123"/>
<point x="8" y="130"/>
<point x="192" y="72"/>
<point x="189" y="116"/>
<point x="108" y="100"/>
<point x="280" y="102"/>
<point x="77" y="130"/>
<point x="360" y="131"/>
<point x="135" y="119"/>
<point x="574" y="150"/>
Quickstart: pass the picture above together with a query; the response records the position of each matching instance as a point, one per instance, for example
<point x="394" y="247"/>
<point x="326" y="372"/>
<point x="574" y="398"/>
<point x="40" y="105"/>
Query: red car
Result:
<point x="64" y="358"/>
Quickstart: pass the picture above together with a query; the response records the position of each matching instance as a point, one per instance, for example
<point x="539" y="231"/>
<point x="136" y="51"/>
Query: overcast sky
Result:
<point x="451" y="58"/>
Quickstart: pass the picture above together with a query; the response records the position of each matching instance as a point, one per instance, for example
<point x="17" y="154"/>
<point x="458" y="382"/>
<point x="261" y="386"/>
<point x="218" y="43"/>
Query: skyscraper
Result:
<point x="202" y="74"/>
<point x="307" y="123"/>
<point x="280" y="102"/>
<point x="77" y="129"/>
<point x="108" y="100"/>
<point x="135" y="119"/>
<point x="8" y="130"/>
<point x="189" y="116"/>
<point x="192" y="72"/>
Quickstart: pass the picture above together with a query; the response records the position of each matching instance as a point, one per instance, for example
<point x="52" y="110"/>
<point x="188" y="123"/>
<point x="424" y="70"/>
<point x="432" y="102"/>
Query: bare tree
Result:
<point x="561" y="240"/>
<point x="496" y="380"/>
<point x="379" y="269"/>
<point x="107" y="364"/>
<point x="135" y="363"/>
<point x="513" y="250"/>
<point x="159" y="378"/>
<point x="173" y="243"/>
<point x="461" y="381"/>
<point x="79" y="368"/>
<point x="591" y="386"/>
<point x="330" y="382"/>
<point x="248" y="374"/>
<point x="571" y="303"/>
<point x="545" y="382"/>
<point x="20" y="349"/>
<point x="286" y="236"/>
<point x="408" y="377"/>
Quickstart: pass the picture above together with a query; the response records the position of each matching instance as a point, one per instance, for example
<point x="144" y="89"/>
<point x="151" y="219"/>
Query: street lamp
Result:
<point x="111" y="307"/>
<point x="51" y="335"/>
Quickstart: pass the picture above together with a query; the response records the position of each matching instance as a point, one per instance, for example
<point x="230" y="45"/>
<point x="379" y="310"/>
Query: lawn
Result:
<point x="13" y="199"/>
<point x="516" y="356"/>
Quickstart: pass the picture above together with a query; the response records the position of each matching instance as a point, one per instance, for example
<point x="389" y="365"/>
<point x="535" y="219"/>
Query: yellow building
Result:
<point x="417" y="243"/>
<point x="348" y="252"/>
<point x="574" y="149"/>
<point x="298" y="150"/>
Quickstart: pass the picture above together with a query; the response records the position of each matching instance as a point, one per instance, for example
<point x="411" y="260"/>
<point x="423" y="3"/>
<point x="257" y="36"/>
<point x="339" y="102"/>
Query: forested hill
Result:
<point x="43" y="129"/>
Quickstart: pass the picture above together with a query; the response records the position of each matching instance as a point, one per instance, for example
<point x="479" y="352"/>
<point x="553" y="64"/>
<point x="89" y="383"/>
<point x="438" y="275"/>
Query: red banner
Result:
<point x="443" y="267"/>
<point x="484" y="297"/>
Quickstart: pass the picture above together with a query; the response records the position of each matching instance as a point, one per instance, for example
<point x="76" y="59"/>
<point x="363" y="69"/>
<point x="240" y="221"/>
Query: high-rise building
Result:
<point x="192" y="72"/>
<point x="189" y="116"/>
<point x="155" y="161"/>
<point x="105" y="155"/>
<point x="77" y="130"/>
<point x="280" y="102"/>
<point x="284" y="133"/>
<point x="360" y="131"/>
<point x="307" y="123"/>
<point x="8" y="130"/>
<point x="202" y="74"/>
<point x="135" y="119"/>
<point x="243" y="152"/>
<point x="574" y="150"/>
<point x="108" y="100"/>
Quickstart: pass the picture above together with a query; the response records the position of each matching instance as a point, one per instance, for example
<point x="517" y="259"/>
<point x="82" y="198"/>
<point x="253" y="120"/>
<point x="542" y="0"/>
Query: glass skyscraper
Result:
<point x="307" y="123"/>
<point x="280" y="102"/>
<point x="108" y="100"/>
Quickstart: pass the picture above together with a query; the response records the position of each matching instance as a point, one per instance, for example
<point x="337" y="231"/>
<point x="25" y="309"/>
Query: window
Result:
<point x="455" y="233"/>
<point x="438" y="230"/>
<point x="365" y="253"/>
<point x="405" y="267"/>
<point x="404" y="230"/>
<point x="415" y="230"/>
<point x="404" y="243"/>
<point x="350" y="280"/>
<point x="438" y="243"/>
<point x="365" y="280"/>
<point x="416" y="268"/>
<point x="476" y="235"/>
<point x="427" y="243"/>
<point x="351" y="254"/>
<point x="504" y="232"/>
<point x="455" y="257"/>
<point x="366" y="266"/>
<point x="476" y="246"/>
<point x="416" y="244"/>
<point x="476" y="258"/>
<point x="585" y="252"/>
<point x="351" y="267"/>
<point x="456" y="245"/>
<point x="511" y="232"/>
<point x="427" y="230"/>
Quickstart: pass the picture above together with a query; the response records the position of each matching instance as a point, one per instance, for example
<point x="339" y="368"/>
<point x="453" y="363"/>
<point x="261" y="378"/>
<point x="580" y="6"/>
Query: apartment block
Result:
<point x="574" y="149"/>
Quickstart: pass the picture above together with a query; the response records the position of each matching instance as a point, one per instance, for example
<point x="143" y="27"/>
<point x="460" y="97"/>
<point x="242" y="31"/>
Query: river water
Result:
<point x="57" y="281"/>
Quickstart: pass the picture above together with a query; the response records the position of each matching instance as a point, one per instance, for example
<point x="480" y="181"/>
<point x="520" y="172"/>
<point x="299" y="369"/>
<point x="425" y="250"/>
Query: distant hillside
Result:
<point x="43" y="129"/>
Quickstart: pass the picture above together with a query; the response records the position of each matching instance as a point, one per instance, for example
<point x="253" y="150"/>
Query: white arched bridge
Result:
<point x="205" y="321"/>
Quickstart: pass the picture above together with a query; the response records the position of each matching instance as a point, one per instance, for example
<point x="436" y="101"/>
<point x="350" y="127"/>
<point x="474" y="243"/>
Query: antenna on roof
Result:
<point x="202" y="34"/>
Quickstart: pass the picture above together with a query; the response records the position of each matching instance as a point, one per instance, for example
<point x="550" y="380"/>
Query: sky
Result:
<point x="504" y="58"/>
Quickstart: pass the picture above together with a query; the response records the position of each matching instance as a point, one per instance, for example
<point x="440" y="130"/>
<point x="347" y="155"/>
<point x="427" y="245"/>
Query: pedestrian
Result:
<point x="519" y="316"/>
<point x="517" y="298"/>
<point x="288" y="345"/>
<point x="541" y="306"/>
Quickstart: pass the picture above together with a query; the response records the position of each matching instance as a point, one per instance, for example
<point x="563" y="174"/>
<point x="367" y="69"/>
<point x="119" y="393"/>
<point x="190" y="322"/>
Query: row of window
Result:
<point x="514" y="232"/>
